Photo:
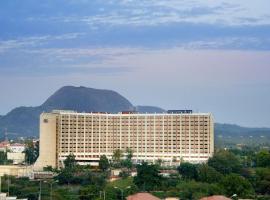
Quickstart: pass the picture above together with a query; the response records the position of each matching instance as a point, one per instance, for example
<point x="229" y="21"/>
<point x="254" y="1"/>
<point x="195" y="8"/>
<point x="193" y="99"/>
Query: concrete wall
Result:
<point x="15" y="170"/>
<point x="47" y="145"/>
<point x="16" y="157"/>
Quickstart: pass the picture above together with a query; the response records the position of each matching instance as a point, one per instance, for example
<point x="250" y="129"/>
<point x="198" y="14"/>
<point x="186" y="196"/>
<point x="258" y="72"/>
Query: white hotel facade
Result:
<point x="172" y="137"/>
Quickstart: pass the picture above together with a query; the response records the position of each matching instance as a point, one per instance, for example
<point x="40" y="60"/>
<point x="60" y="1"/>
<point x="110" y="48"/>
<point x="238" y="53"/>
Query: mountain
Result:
<point x="149" y="109"/>
<point x="229" y="135"/>
<point x="235" y="130"/>
<point x="84" y="99"/>
<point x="24" y="121"/>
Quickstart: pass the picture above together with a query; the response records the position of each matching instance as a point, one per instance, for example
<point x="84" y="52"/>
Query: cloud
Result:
<point x="34" y="41"/>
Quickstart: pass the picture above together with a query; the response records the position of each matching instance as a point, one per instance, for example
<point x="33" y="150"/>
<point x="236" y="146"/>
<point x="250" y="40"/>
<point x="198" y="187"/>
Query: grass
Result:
<point x="121" y="183"/>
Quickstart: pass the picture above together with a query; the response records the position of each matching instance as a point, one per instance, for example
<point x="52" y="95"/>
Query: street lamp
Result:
<point x="122" y="191"/>
<point x="39" y="196"/>
<point x="51" y="184"/>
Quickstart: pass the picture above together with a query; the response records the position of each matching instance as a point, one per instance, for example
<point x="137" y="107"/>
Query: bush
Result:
<point x="236" y="184"/>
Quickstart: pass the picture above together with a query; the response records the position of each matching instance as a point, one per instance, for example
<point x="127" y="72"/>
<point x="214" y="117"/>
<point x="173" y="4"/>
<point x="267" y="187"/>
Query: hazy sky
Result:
<point x="205" y="55"/>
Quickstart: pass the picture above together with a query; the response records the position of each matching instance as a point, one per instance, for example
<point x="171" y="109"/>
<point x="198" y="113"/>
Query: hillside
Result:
<point x="230" y="135"/>
<point x="149" y="109"/>
<point x="24" y="121"/>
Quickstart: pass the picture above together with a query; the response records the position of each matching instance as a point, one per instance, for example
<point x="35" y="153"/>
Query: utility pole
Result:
<point x="39" y="196"/>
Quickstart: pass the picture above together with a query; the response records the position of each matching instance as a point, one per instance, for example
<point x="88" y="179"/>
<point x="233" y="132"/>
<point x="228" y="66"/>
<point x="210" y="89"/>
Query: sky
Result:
<point x="206" y="55"/>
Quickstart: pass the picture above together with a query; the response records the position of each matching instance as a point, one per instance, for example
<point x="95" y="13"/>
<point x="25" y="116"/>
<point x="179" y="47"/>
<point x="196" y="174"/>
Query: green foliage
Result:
<point x="236" y="184"/>
<point x="225" y="162"/>
<point x="116" y="158"/>
<point x="122" y="183"/>
<point x="263" y="159"/>
<point x="196" y="190"/>
<point x="126" y="184"/>
<point x="124" y="174"/>
<point x="262" y="183"/>
<point x="89" y="192"/>
<point x="3" y="159"/>
<point x="70" y="162"/>
<point x="208" y="174"/>
<point x="104" y="164"/>
<point x="148" y="177"/>
<point x="31" y="152"/>
<point x="188" y="171"/>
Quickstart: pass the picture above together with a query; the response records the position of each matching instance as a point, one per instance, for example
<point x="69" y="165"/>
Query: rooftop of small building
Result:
<point x="216" y="197"/>
<point x="142" y="196"/>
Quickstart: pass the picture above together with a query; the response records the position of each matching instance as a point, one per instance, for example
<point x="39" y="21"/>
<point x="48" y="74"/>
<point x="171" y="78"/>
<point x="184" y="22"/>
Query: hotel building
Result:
<point x="173" y="137"/>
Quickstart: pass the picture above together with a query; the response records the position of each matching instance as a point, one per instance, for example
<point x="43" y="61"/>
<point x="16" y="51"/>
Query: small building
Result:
<point x="4" y="196"/>
<point x="15" y="170"/>
<point x="16" y="157"/>
<point x="142" y="196"/>
<point x="17" y="148"/>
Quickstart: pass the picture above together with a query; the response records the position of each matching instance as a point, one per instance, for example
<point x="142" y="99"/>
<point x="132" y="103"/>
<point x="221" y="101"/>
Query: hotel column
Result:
<point x="69" y="134"/>
<point x="155" y="137"/>
<point x="145" y="136"/>
<point x="84" y="134"/>
<point x="163" y="143"/>
<point x="76" y="134"/>
<point x="92" y="134"/>
<point x="137" y="124"/>
<point x="172" y="145"/>
<point x="107" y="130"/>
<point x="180" y="137"/>
<point x="199" y="139"/>
<point x="120" y="121"/>
<point x="99" y="131"/>
<point x="189" y="138"/>
<point x="128" y="131"/>
<point x="60" y="139"/>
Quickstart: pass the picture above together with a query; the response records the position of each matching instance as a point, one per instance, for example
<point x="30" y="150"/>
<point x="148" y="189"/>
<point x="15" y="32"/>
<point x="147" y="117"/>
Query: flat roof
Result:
<point x="129" y="114"/>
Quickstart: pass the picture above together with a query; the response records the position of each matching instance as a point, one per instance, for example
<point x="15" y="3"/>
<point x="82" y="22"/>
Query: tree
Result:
<point x="67" y="174"/>
<point x="188" y="171"/>
<point x="208" y="174"/>
<point x="88" y="192"/>
<point x="70" y="162"/>
<point x="195" y="190"/>
<point x="262" y="180"/>
<point x="263" y="159"/>
<point x="31" y="152"/>
<point x="236" y="184"/>
<point x="104" y="163"/>
<point x="225" y="162"/>
<point x="129" y="154"/>
<point x="116" y="158"/>
<point x="3" y="157"/>
<point x="148" y="177"/>
<point x="127" y="162"/>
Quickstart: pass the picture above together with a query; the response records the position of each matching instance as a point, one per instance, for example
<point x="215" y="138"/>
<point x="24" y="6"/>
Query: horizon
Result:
<point x="205" y="56"/>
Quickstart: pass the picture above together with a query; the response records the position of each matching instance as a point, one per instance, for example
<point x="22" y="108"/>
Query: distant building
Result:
<point x="16" y="148"/>
<point x="17" y="158"/>
<point x="171" y="137"/>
